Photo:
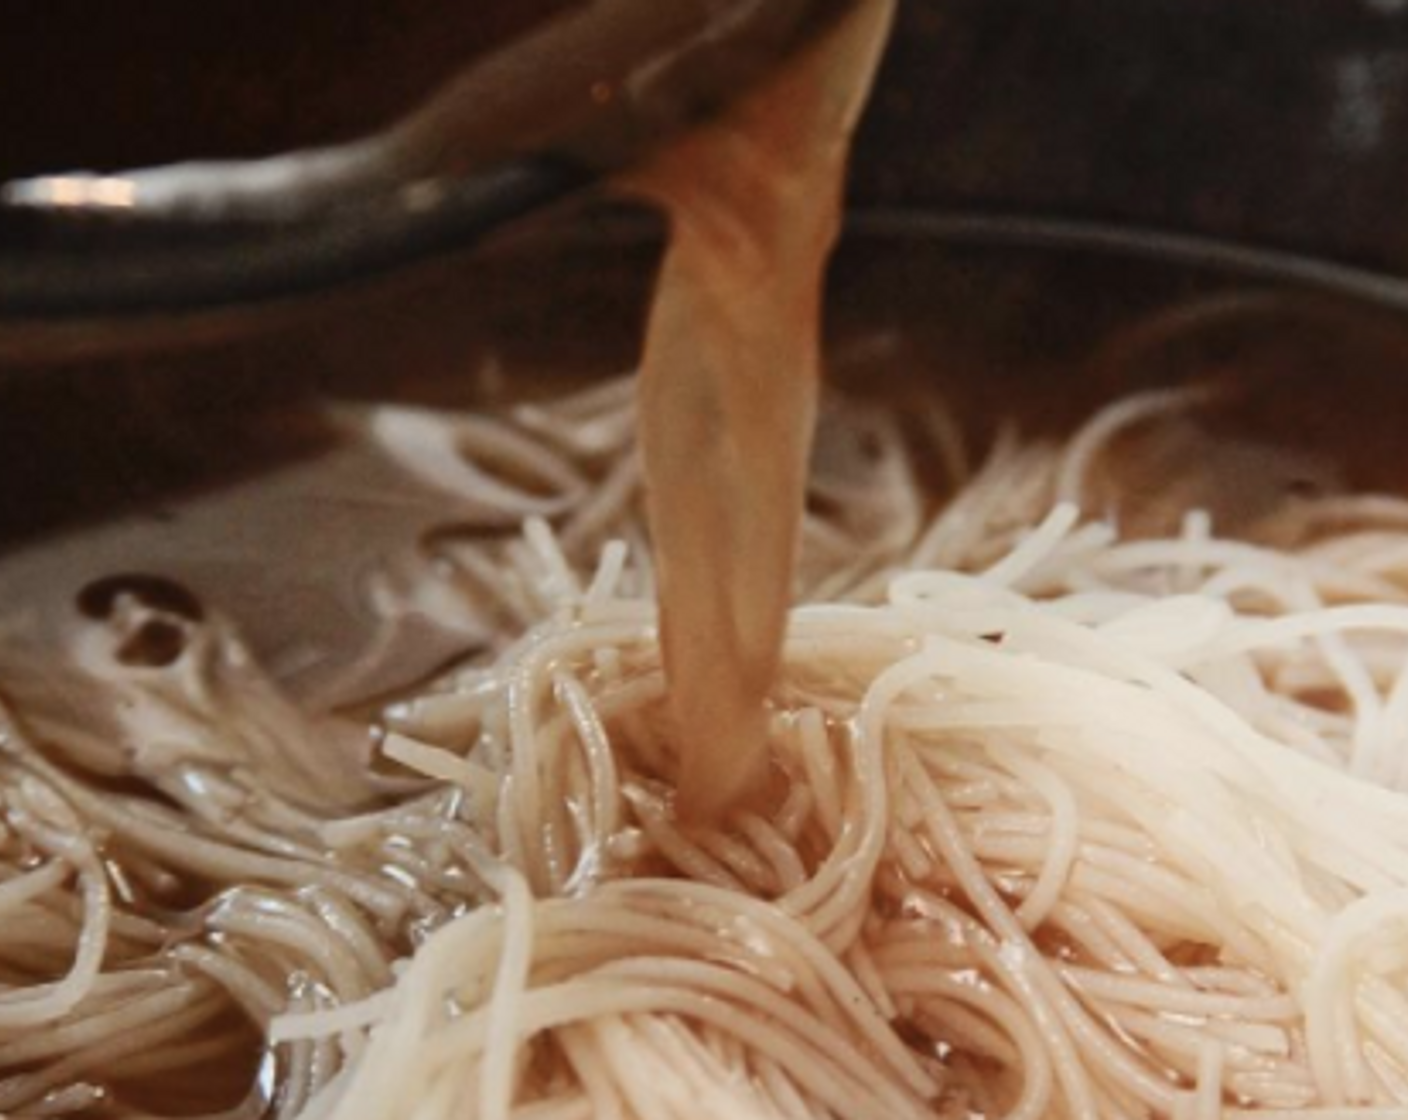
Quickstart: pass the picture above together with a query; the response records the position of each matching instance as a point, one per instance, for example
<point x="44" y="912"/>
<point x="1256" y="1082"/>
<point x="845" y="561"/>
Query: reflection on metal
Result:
<point x="106" y="192"/>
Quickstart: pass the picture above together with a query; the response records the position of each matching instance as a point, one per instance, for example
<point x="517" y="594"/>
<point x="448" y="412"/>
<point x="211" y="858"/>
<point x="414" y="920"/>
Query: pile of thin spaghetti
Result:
<point x="1059" y="824"/>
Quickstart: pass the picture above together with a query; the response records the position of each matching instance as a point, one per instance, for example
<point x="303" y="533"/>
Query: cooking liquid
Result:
<point x="727" y="400"/>
<point x="728" y="389"/>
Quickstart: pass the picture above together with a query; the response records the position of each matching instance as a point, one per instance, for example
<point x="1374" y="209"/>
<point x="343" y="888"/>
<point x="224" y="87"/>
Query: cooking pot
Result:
<point x="1032" y="175"/>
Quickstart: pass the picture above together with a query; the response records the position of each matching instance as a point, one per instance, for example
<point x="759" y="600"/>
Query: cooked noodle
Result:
<point x="1060" y="823"/>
